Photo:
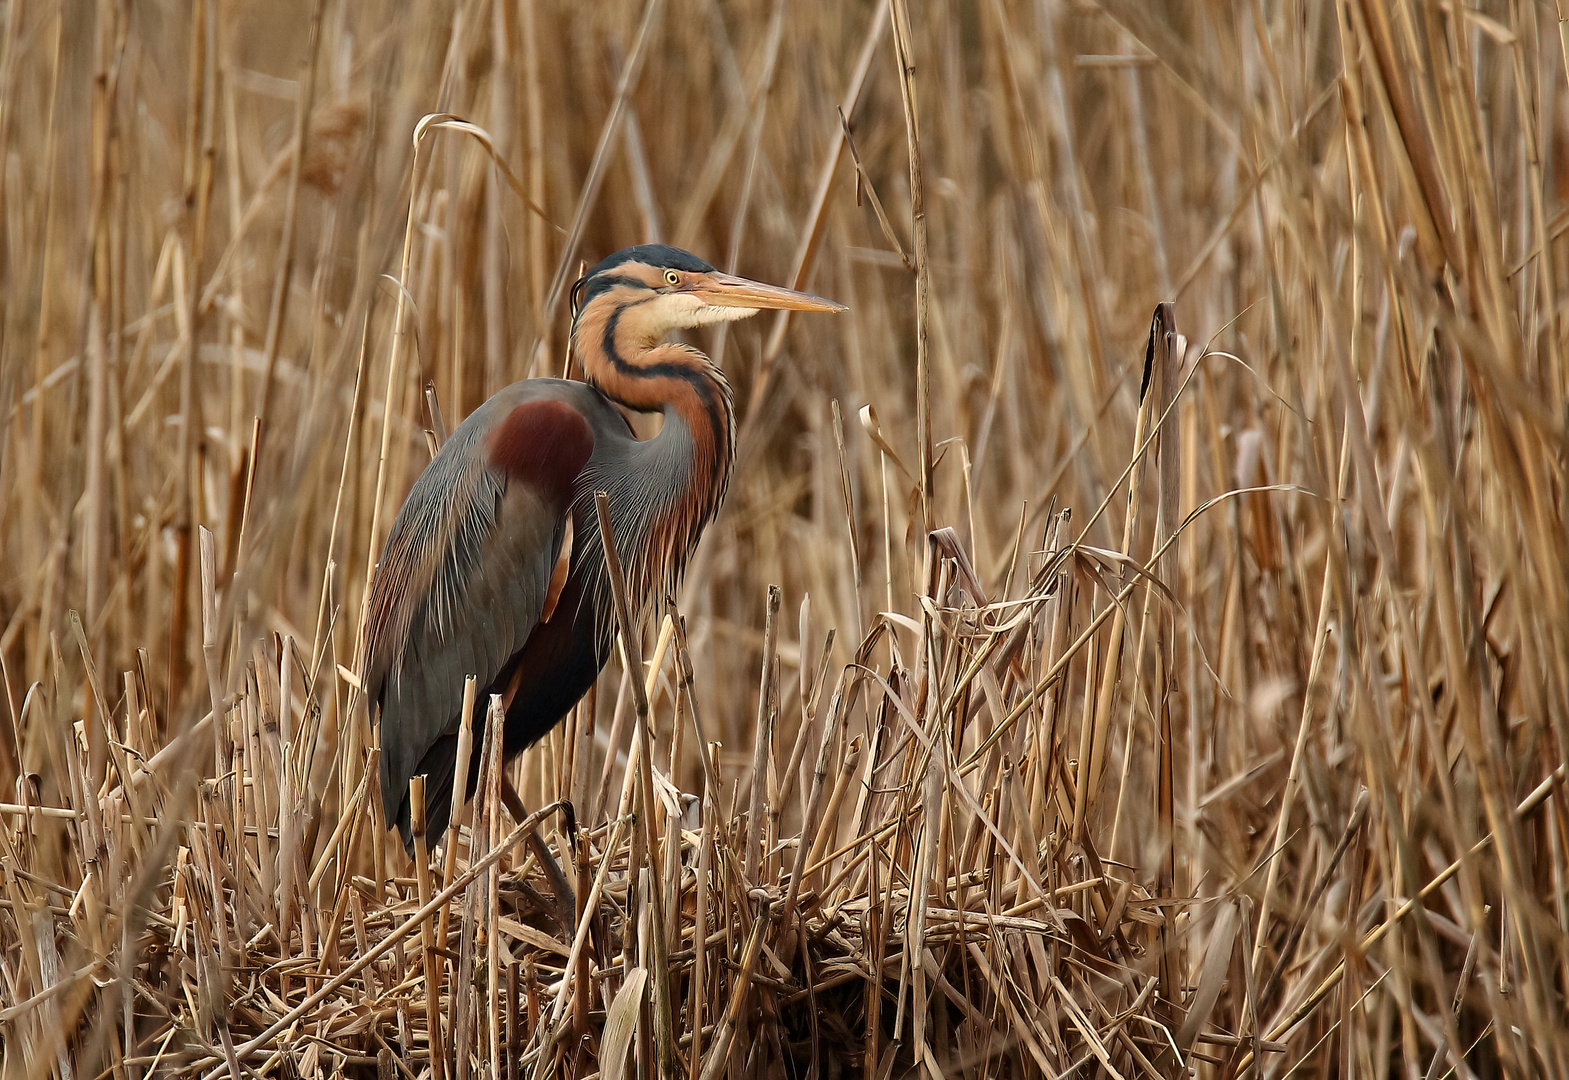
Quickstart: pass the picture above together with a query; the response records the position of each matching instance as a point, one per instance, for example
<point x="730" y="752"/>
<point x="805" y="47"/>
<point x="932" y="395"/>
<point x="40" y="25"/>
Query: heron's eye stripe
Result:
<point x="599" y="284"/>
<point x="617" y="279"/>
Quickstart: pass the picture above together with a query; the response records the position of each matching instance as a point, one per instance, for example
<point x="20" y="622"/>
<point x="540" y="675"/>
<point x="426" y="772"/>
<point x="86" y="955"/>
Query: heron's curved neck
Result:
<point x="689" y="460"/>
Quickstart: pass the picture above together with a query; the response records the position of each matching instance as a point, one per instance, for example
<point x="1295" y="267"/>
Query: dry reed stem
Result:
<point x="434" y="1037"/>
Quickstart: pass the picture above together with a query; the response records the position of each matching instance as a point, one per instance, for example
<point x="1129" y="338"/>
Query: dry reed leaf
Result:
<point x="621" y="1023"/>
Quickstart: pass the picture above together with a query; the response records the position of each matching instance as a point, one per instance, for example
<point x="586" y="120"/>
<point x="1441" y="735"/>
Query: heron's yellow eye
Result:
<point x="672" y="278"/>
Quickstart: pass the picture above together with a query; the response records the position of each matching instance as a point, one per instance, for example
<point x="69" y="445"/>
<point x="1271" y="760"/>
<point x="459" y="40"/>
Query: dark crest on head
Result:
<point x="599" y="278"/>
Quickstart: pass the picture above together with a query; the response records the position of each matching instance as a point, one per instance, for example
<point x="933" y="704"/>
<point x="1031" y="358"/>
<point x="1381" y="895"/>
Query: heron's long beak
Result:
<point x="724" y="290"/>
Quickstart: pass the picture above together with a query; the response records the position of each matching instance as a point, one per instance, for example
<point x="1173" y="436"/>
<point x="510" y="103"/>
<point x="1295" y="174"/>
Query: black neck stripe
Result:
<point x="695" y="374"/>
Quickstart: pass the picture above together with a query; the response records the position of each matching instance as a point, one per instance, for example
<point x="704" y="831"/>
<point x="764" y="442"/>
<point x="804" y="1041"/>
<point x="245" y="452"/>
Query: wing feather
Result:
<point x="463" y="580"/>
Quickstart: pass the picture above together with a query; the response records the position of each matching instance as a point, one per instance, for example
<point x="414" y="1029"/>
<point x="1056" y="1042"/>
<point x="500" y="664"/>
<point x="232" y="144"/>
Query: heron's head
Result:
<point x="640" y="294"/>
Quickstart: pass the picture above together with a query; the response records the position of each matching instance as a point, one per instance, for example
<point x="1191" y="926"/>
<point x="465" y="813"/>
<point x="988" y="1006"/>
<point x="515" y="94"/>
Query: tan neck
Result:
<point x="686" y="467"/>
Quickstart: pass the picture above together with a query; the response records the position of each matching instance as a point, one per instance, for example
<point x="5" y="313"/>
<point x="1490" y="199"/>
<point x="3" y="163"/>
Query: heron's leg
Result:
<point x="566" y="902"/>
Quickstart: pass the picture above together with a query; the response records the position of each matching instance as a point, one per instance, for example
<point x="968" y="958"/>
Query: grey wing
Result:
<point x="461" y="585"/>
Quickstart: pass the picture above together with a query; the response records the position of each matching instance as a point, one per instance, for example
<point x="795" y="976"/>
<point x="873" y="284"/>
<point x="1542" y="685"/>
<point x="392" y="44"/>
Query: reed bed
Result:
<point x="1136" y="642"/>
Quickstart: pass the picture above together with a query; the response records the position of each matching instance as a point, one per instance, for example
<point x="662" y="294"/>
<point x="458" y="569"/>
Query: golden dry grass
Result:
<point x="1216" y="730"/>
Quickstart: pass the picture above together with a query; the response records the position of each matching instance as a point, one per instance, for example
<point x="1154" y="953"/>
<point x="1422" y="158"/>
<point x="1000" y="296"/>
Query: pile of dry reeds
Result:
<point x="1057" y="694"/>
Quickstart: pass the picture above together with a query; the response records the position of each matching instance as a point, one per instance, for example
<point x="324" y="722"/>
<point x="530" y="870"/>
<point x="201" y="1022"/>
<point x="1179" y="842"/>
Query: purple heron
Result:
<point x="494" y="566"/>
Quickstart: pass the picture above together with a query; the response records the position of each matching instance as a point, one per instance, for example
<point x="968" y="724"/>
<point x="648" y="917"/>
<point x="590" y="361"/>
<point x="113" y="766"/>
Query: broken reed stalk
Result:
<point x="494" y="778"/>
<point x="580" y="968"/>
<point x="846" y="774"/>
<point x="433" y="965"/>
<point x="460" y="768"/>
<point x="756" y="834"/>
<point x="466" y="1032"/>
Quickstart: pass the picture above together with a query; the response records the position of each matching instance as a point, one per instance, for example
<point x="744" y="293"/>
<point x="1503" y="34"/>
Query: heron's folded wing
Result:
<point x="465" y="574"/>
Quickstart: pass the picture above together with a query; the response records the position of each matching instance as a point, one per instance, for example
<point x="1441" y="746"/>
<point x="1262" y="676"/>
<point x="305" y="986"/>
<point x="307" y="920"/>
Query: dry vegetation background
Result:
<point x="1058" y="797"/>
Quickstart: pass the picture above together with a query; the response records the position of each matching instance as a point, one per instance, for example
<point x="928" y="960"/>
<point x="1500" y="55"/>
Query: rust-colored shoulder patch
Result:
<point x="544" y="444"/>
